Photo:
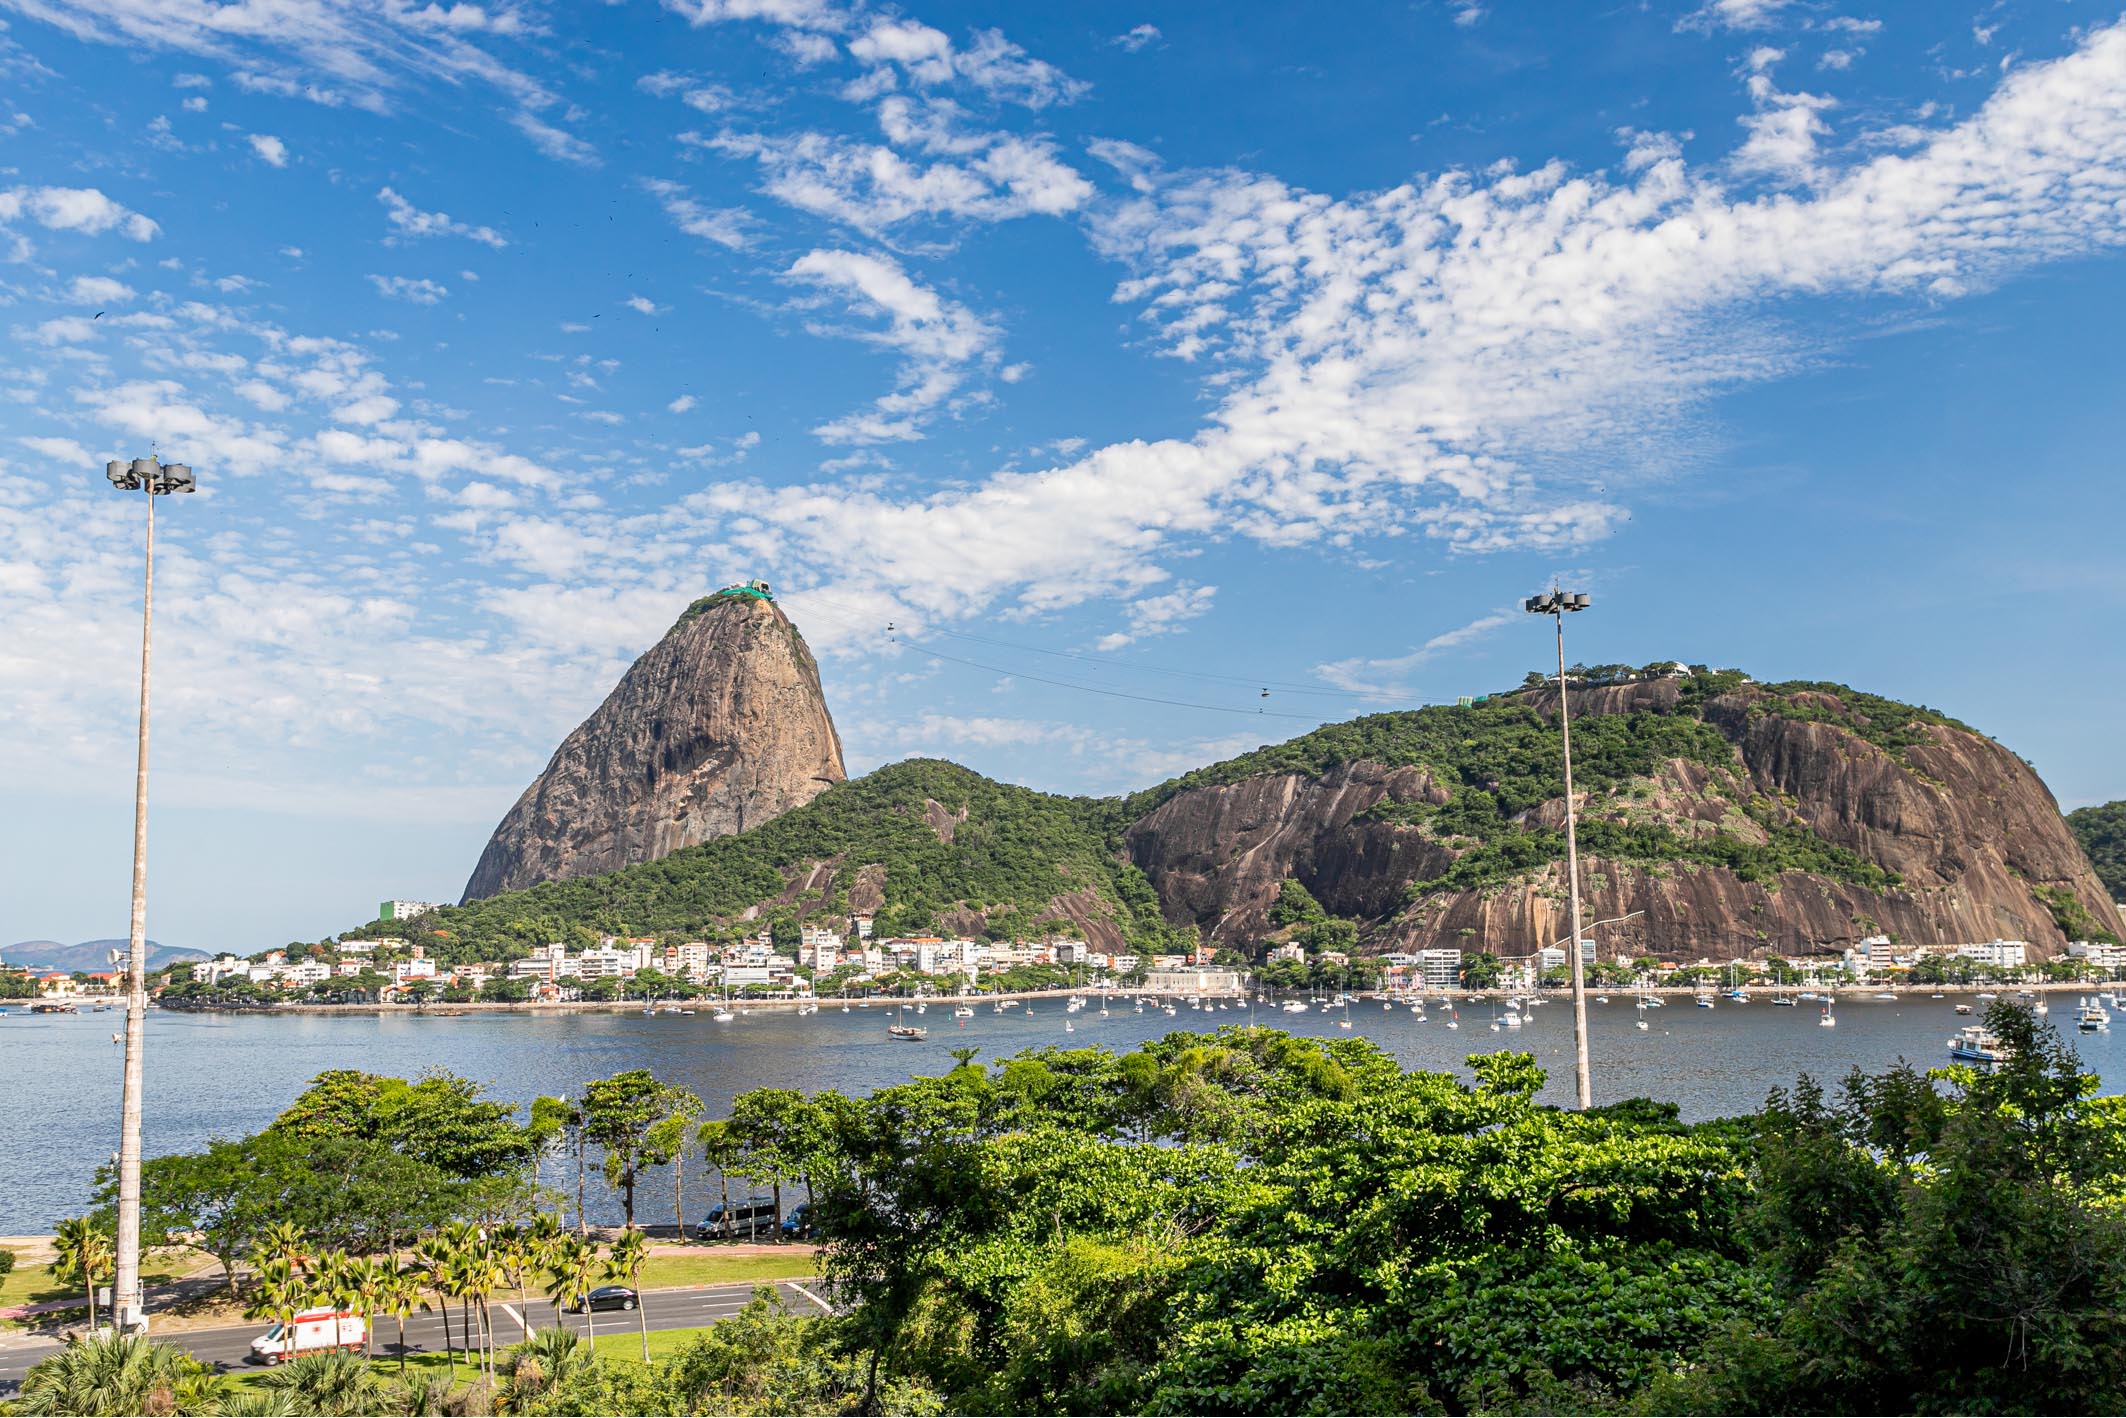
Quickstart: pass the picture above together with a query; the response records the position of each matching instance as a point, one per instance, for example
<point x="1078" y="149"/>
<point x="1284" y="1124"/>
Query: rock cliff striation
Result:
<point x="716" y="729"/>
<point x="1809" y="818"/>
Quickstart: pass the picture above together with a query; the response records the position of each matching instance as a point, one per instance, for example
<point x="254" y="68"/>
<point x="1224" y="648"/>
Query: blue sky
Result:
<point x="1219" y="347"/>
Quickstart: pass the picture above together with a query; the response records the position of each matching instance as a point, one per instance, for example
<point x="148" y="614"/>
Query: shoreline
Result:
<point x="879" y="1002"/>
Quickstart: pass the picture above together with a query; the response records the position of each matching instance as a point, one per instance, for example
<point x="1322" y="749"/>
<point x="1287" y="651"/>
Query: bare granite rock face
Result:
<point x="1969" y="827"/>
<point x="717" y="728"/>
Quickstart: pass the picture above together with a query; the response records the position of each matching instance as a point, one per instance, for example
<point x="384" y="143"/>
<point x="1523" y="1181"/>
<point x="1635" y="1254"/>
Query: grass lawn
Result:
<point x="665" y="1271"/>
<point x="32" y="1284"/>
<point x="621" y="1344"/>
<point x="626" y="1344"/>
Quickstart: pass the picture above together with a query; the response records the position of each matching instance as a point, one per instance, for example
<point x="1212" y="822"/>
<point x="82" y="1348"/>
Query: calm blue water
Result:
<point x="226" y="1075"/>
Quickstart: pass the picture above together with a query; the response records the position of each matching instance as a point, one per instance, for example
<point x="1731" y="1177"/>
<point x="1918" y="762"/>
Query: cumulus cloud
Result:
<point x="923" y="57"/>
<point x="409" y="220"/>
<point x="1157" y="615"/>
<point x="683" y="404"/>
<point x="269" y="149"/>
<point x="82" y="209"/>
<point x="1734" y="15"/>
<point x="991" y="177"/>
<point x="98" y="290"/>
<point x="418" y="290"/>
<point x="1136" y="37"/>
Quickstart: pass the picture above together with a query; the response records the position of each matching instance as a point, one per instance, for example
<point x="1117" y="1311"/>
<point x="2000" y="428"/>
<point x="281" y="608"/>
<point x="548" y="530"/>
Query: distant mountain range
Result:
<point x="88" y="954"/>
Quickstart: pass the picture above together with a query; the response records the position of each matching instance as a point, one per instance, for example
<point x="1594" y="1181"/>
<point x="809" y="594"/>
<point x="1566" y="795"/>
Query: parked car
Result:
<point x="607" y="1297"/>
<point x="749" y="1220"/>
<point x="798" y="1224"/>
<point x="314" y="1330"/>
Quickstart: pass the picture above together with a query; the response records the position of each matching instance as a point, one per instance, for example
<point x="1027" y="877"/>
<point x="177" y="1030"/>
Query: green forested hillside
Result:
<point x="1012" y="851"/>
<point x="2102" y="833"/>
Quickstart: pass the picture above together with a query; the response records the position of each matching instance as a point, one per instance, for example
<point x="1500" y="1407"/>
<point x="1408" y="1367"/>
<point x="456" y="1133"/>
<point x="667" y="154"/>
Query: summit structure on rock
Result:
<point x="717" y="728"/>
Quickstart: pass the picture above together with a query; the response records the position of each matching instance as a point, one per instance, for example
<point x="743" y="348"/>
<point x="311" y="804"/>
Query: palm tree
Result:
<point x="278" y="1293"/>
<point x="625" y="1261"/>
<point x="365" y="1279"/>
<point x="573" y="1265"/>
<point x="433" y="1257"/>
<point x="118" y="1373"/>
<point x="85" y="1257"/>
<point x="964" y="1056"/>
<point x="331" y="1384"/>
<point x="546" y="1361"/>
<point x="399" y="1296"/>
<point x="283" y="1240"/>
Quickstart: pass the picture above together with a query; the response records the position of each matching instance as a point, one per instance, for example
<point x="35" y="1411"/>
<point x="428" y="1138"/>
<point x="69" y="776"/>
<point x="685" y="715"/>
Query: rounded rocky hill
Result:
<point x="719" y="727"/>
<point x="1730" y="817"/>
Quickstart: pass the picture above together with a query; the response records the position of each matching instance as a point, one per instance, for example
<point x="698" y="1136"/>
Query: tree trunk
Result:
<point x="581" y="1228"/>
<point x="402" y="1343"/>
<point x="778" y="1211"/>
<point x="642" y="1314"/>
<point x="627" y="1198"/>
<point x="679" y="1191"/>
<point x="443" y="1305"/>
<point x="723" y="1182"/>
<point x="92" y="1300"/>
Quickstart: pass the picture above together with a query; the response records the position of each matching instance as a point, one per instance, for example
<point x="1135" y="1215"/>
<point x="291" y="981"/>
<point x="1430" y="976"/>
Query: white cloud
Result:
<point x="410" y="220"/>
<point x="1734" y="15"/>
<point x="643" y="305"/>
<point x="1136" y="37"/>
<point x="99" y="290"/>
<point x="1384" y="678"/>
<point x="270" y="150"/>
<point x="1452" y="358"/>
<point x="329" y="52"/>
<point x="1783" y="132"/>
<point x="82" y="209"/>
<point x="926" y="58"/>
<point x="872" y="187"/>
<point x="807" y="50"/>
<point x="1157" y="615"/>
<point x="725" y="226"/>
<point x="418" y="290"/>
<point x="938" y="339"/>
<point x="683" y="404"/>
<point x="64" y="451"/>
<point x="556" y="143"/>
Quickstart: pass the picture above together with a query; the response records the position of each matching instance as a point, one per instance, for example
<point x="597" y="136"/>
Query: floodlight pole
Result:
<point x="1555" y="605"/>
<point x="128" y="1301"/>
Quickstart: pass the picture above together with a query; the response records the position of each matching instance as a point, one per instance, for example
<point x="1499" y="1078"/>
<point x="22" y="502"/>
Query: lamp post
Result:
<point x="156" y="479"/>
<point x="1556" y="604"/>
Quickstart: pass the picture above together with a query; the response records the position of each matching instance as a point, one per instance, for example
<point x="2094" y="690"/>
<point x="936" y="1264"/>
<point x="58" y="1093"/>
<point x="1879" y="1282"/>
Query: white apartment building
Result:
<point x="2001" y="954"/>
<point x="1439" y="969"/>
<point x="405" y="910"/>
<point x="2102" y="954"/>
<point x="687" y="962"/>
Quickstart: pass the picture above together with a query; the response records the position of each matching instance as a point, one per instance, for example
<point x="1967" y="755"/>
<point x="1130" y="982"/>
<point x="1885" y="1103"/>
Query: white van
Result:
<point x="314" y="1330"/>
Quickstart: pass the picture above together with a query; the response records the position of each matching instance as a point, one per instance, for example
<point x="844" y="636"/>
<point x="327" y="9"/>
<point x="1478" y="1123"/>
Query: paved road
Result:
<point x="689" y="1308"/>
